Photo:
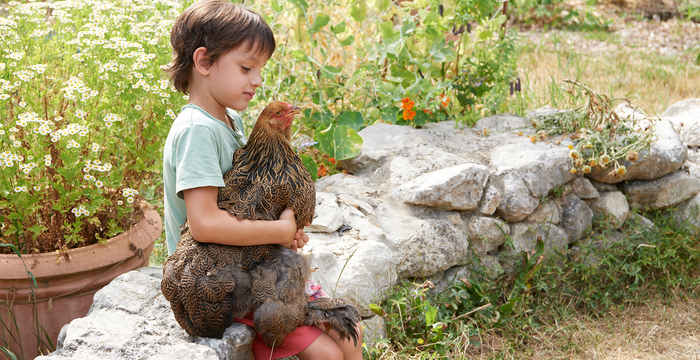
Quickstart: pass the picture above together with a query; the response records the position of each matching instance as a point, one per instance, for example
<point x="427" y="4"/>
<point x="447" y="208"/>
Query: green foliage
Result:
<point x="85" y="111"/>
<point x="662" y="261"/>
<point x="349" y="64"/>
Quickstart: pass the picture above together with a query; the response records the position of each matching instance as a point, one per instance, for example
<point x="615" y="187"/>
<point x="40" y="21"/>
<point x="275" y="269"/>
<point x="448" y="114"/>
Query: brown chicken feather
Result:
<point x="209" y="285"/>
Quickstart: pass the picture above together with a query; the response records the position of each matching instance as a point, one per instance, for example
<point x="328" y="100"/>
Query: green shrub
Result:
<point x="350" y="64"/>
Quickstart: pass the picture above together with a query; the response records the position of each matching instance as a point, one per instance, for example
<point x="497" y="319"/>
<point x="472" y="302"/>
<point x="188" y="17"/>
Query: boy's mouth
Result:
<point x="249" y="94"/>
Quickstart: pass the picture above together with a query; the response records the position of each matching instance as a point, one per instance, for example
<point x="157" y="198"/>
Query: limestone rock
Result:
<point x="486" y="233"/>
<point x="381" y="142"/>
<point x="436" y="246"/>
<point x="373" y="330"/>
<point x="603" y="186"/>
<point x="503" y="123"/>
<point x="490" y="200"/>
<point x="666" y="155"/>
<point x="640" y="222"/>
<point x="356" y="219"/>
<point x="614" y="206"/>
<point x="130" y="319"/>
<point x="685" y="117"/>
<point x="345" y="183"/>
<point x="451" y="275"/>
<point x="548" y="212"/>
<point x="422" y="160"/>
<point x="583" y="188"/>
<point x="455" y="188"/>
<point x="660" y="193"/>
<point x="490" y="266"/>
<point x="577" y="218"/>
<point x="361" y="274"/>
<point x="424" y="243"/>
<point x="525" y="237"/>
<point x="688" y="213"/>
<point x="524" y="168"/>
<point x="693" y="169"/>
<point x="328" y="216"/>
<point x="516" y="202"/>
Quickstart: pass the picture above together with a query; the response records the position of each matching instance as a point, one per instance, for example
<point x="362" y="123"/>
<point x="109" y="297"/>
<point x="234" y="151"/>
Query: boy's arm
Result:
<point x="209" y="224"/>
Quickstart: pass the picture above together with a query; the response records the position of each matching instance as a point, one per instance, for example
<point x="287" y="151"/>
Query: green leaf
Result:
<point x="351" y="119"/>
<point x="320" y="21"/>
<point x="348" y="41"/>
<point x="310" y="165"/>
<point x="436" y="47"/>
<point x="31" y="276"/>
<point x="377" y="310"/>
<point x="386" y="29"/>
<point x="430" y="313"/>
<point x="339" y="141"/>
<point x="8" y="353"/>
<point x="393" y="46"/>
<point x="298" y="54"/>
<point x="302" y="3"/>
<point x="389" y="114"/>
<point x="339" y="29"/>
<point x="12" y="247"/>
<point x="421" y="118"/>
<point x="331" y="70"/>
<point x="275" y="6"/>
<point x="381" y="5"/>
<point x="359" y="11"/>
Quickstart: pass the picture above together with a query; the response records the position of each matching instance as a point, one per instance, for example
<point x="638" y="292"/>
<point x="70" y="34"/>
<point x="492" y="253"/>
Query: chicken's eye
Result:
<point x="279" y="113"/>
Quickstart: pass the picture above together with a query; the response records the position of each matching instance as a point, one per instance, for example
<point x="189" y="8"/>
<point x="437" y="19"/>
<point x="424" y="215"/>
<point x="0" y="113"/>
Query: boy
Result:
<point x="219" y="51"/>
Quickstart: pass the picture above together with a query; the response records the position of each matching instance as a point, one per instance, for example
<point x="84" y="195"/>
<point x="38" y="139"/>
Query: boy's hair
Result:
<point x="218" y="26"/>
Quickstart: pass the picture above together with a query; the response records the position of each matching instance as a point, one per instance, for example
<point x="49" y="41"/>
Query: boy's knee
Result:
<point x="333" y="352"/>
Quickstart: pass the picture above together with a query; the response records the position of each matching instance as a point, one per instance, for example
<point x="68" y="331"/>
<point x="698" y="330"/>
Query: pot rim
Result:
<point x="48" y="265"/>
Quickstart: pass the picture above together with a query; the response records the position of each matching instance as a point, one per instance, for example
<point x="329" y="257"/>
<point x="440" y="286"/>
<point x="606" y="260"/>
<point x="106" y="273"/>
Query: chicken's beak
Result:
<point x="291" y="113"/>
<point x="294" y="111"/>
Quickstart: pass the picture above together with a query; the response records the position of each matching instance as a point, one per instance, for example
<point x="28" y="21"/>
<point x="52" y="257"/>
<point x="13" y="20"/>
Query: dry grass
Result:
<point x="659" y="331"/>
<point x="651" y="80"/>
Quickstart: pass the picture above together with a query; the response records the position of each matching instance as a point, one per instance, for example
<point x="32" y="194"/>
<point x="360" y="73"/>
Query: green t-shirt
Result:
<point x="198" y="151"/>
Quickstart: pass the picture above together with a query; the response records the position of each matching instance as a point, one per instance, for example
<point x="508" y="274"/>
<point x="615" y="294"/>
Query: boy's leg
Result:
<point x="323" y="348"/>
<point x="348" y="347"/>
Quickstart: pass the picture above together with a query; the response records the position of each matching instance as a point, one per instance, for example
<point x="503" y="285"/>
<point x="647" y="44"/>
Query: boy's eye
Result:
<point x="245" y="69"/>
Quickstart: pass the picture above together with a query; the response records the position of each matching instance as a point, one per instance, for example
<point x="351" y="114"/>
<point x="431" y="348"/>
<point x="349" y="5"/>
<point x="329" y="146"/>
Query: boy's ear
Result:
<point x="201" y="61"/>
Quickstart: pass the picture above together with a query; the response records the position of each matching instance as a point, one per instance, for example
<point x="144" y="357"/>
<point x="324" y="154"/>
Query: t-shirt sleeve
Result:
<point x="196" y="159"/>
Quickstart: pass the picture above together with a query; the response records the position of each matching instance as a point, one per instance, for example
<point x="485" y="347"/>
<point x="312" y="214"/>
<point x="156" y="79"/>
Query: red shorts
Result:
<point x="294" y="343"/>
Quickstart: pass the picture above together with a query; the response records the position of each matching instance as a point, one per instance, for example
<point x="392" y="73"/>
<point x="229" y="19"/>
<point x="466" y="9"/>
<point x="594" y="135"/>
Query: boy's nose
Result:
<point x="257" y="80"/>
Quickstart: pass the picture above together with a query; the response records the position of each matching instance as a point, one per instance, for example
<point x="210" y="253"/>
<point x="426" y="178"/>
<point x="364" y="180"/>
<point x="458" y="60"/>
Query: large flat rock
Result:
<point x="660" y="193"/>
<point x="685" y="117"/>
<point x="665" y="156"/>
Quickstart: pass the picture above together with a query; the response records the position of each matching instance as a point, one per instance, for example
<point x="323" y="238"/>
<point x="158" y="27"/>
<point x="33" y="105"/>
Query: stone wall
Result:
<point x="436" y="202"/>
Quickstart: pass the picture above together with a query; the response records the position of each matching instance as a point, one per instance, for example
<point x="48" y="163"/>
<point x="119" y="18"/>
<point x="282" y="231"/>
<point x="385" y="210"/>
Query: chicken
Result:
<point x="209" y="285"/>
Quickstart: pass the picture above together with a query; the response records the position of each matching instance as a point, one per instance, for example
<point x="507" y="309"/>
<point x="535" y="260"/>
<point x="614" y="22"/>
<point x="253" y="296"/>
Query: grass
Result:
<point x="651" y="81"/>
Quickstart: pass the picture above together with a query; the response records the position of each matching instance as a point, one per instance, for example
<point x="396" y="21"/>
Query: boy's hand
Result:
<point x="289" y="224"/>
<point x="300" y="239"/>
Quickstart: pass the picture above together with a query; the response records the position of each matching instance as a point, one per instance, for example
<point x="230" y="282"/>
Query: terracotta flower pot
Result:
<point x="67" y="282"/>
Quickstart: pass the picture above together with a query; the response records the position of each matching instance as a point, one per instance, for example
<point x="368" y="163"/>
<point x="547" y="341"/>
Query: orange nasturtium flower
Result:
<point x="445" y="101"/>
<point x="407" y="104"/>
<point x="322" y="171"/>
<point x="408" y="114"/>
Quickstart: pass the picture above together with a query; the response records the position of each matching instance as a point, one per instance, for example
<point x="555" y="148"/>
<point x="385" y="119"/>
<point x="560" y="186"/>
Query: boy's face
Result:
<point x="235" y="76"/>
